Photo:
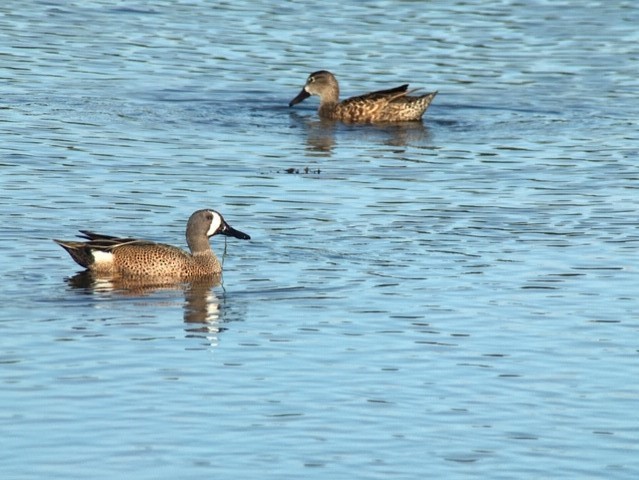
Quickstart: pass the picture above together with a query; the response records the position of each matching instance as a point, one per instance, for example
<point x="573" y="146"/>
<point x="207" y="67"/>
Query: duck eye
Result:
<point x="311" y="79"/>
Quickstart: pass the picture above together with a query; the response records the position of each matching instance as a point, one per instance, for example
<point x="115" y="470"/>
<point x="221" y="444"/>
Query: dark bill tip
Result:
<point x="231" y="232"/>
<point x="303" y="95"/>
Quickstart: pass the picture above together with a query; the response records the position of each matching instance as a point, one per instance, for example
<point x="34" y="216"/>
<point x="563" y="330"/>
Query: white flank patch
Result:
<point x="216" y="223"/>
<point x="102" y="258"/>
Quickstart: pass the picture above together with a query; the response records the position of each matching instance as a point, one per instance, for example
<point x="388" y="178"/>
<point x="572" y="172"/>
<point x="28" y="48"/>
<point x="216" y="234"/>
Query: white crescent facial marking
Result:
<point x="216" y="223"/>
<point x="102" y="258"/>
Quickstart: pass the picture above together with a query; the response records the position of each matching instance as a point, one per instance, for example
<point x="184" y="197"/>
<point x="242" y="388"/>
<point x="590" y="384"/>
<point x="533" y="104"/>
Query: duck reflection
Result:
<point x="202" y="309"/>
<point x="321" y="134"/>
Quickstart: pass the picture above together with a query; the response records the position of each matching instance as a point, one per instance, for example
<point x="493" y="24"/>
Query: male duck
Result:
<point x="393" y="105"/>
<point x="104" y="254"/>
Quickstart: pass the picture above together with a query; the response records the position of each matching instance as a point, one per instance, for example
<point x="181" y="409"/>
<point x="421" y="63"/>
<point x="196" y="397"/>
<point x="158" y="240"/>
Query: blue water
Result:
<point x="450" y="299"/>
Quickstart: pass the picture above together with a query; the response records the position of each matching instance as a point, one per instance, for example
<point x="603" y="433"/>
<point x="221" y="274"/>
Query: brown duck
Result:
<point x="132" y="257"/>
<point x="393" y="105"/>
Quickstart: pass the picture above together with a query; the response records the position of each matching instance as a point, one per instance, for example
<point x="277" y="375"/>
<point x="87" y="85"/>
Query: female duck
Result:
<point x="393" y="105"/>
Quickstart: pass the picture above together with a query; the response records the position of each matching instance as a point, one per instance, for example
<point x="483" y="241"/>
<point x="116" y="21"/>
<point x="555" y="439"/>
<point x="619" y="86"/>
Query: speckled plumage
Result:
<point x="104" y="254"/>
<point x="392" y="105"/>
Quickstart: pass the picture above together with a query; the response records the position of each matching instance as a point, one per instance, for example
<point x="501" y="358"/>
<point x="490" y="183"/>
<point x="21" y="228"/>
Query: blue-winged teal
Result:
<point x="393" y="105"/>
<point x="104" y="254"/>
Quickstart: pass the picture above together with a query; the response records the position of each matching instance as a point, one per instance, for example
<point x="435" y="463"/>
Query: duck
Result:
<point x="133" y="257"/>
<point x="392" y="105"/>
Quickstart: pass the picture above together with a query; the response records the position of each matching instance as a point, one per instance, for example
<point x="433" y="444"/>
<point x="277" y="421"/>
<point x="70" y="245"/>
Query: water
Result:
<point x="453" y="299"/>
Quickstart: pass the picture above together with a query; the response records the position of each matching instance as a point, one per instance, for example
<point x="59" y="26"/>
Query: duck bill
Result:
<point x="231" y="232"/>
<point x="303" y="95"/>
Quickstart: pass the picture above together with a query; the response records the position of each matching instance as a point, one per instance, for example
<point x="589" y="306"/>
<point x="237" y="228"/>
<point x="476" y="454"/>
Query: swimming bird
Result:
<point x="105" y="254"/>
<point x="393" y="105"/>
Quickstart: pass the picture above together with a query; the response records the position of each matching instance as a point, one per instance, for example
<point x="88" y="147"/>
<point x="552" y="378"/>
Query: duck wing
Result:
<point x="388" y="95"/>
<point x="100" y="241"/>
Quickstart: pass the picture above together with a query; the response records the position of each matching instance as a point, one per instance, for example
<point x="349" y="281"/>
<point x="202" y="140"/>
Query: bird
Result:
<point x="392" y="105"/>
<point x="132" y="257"/>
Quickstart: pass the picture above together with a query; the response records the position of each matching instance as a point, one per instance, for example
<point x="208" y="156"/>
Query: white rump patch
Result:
<point x="102" y="258"/>
<point x="216" y="223"/>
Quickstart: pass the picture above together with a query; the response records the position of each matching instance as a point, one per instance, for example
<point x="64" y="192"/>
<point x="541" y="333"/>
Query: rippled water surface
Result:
<point x="453" y="299"/>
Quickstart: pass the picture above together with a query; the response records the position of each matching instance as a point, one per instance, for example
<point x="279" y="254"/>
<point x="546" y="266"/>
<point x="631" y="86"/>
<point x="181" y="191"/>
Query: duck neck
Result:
<point x="331" y="95"/>
<point x="199" y="246"/>
<point x="327" y="110"/>
<point x="329" y="102"/>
